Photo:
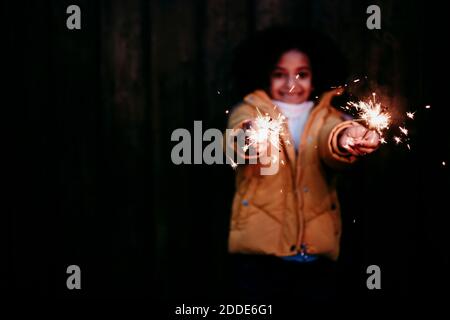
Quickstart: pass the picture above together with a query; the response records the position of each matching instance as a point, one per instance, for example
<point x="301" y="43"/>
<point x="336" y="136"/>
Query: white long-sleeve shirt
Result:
<point x="296" y="114"/>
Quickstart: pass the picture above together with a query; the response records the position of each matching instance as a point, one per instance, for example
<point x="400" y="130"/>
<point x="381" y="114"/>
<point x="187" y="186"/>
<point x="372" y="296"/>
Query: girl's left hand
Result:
<point x="358" y="142"/>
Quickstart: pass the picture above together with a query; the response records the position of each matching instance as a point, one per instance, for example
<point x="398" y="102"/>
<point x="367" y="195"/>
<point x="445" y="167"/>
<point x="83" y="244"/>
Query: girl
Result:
<point x="285" y="228"/>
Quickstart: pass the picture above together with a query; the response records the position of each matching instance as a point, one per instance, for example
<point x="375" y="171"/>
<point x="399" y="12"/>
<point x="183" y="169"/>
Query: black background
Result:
<point x="89" y="114"/>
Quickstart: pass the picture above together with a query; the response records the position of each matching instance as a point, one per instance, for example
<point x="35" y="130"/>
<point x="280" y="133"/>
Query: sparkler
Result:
<point x="265" y="129"/>
<point x="377" y="118"/>
<point x="373" y="114"/>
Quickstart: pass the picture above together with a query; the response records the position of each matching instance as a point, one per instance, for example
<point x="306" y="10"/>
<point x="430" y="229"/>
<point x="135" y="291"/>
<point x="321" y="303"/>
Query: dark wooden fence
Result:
<point x="93" y="111"/>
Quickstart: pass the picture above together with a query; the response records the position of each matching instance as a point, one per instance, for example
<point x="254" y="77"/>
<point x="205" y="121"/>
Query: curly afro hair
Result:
<point x="256" y="57"/>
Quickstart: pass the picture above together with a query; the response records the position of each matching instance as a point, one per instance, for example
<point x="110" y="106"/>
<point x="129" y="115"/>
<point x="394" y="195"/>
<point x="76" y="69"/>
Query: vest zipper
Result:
<point x="298" y="179"/>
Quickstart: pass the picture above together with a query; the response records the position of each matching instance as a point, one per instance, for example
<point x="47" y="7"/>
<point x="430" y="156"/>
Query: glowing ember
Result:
<point x="404" y="131"/>
<point x="427" y="107"/>
<point x="443" y="163"/>
<point x="410" y="115"/>
<point x="226" y="111"/>
<point x="233" y="164"/>
<point x="397" y="140"/>
<point x="355" y="81"/>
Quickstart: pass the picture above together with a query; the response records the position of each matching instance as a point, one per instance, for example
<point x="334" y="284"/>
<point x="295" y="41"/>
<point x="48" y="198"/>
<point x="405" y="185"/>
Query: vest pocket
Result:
<point x="242" y="205"/>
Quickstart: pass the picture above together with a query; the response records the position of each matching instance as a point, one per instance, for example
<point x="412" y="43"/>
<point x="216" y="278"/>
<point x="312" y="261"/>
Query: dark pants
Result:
<point x="270" y="279"/>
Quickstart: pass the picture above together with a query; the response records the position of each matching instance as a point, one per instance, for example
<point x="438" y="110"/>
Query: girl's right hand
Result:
<point x="257" y="148"/>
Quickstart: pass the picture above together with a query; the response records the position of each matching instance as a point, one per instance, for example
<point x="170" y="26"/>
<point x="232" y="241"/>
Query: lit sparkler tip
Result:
<point x="372" y="113"/>
<point x="266" y="129"/>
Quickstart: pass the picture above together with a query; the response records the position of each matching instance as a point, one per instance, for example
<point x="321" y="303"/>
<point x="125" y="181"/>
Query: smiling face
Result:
<point x="291" y="80"/>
